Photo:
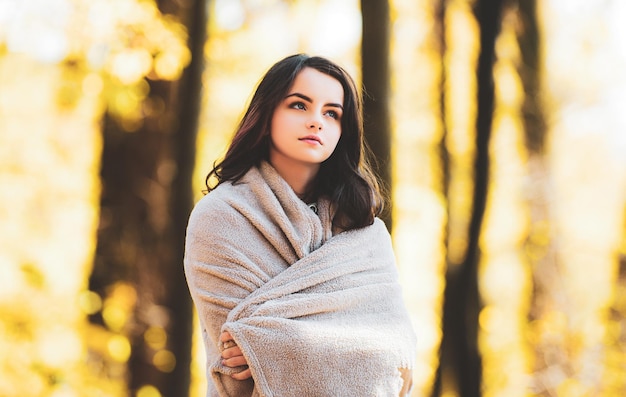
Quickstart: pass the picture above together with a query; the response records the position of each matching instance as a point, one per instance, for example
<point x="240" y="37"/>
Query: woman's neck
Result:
<point x="299" y="176"/>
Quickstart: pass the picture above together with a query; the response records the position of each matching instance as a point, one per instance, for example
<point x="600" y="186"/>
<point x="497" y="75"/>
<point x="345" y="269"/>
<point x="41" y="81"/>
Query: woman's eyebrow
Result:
<point x="306" y="98"/>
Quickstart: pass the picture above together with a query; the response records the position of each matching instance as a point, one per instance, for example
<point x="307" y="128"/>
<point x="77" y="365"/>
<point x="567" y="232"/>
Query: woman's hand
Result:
<point x="232" y="357"/>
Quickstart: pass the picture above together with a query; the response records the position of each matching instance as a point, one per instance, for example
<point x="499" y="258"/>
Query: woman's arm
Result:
<point x="211" y="265"/>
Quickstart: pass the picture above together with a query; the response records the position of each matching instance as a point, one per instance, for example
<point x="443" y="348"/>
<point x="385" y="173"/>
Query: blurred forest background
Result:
<point x="499" y="125"/>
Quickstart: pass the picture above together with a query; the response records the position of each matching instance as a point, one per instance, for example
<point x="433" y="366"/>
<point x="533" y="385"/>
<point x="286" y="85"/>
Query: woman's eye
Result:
<point x="298" y="105"/>
<point x="333" y="114"/>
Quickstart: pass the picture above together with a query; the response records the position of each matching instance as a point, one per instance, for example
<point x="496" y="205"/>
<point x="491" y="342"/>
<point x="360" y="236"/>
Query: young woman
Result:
<point x="291" y="271"/>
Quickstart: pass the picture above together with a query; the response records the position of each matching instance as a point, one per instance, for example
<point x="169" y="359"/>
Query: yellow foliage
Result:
<point x="164" y="361"/>
<point x="148" y="391"/>
<point x="155" y="337"/>
<point x="58" y="75"/>
<point x="64" y="63"/>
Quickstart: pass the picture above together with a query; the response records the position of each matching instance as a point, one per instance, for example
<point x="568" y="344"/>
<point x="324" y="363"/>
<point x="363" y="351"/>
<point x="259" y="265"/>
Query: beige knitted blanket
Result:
<point x="314" y="314"/>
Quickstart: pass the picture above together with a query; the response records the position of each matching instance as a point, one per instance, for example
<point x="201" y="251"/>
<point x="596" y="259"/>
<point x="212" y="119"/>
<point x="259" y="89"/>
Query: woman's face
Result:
<point x="306" y="124"/>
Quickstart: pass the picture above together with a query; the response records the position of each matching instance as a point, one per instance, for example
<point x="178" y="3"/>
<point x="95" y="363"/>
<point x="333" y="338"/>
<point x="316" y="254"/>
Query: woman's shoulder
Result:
<point x="216" y="200"/>
<point x="214" y="226"/>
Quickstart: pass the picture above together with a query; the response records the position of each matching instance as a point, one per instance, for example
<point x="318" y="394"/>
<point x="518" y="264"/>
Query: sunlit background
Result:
<point x="553" y="268"/>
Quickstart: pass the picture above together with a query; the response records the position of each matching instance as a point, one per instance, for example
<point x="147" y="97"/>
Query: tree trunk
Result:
<point x="542" y="252"/>
<point x="146" y="200"/>
<point x="529" y="71"/>
<point x="376" y="83"/>
<point x="460" y="357"/>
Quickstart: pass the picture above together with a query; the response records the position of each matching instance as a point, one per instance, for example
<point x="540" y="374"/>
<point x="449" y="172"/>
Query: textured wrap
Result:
<point x="315" y="314"/>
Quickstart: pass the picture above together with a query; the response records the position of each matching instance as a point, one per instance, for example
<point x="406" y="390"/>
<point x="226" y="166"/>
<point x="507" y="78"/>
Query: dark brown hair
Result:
<point x="345" y="177"/>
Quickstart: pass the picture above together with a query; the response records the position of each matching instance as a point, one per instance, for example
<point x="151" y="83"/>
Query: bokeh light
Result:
<point x="553" y="240"/>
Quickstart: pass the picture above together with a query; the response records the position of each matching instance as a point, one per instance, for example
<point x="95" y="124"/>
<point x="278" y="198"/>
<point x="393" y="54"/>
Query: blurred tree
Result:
<point x="146" y="199"/>
<point x="614" y="380"/>
<point x="376" y="89"/>
<point x="460" y="362"/>
<point x="530" y="73"/>
<point x="440" y="28"/>
<point x="540" y="250"/>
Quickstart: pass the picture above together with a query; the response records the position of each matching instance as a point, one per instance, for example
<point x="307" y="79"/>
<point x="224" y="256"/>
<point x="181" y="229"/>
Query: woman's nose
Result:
<point x="315" y="123"/>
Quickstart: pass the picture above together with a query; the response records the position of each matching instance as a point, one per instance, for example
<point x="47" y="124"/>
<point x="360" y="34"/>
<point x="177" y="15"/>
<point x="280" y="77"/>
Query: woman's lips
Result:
<point x="312" y="139"/>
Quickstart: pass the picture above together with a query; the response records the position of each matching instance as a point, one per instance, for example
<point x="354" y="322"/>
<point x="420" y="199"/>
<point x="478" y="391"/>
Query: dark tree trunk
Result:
<point x="376" y="83"/>
<point x="145" y="203"/>
<point x="545" y="265"/>
<point x="460" y="357"/>
<point x="529" y="70"/>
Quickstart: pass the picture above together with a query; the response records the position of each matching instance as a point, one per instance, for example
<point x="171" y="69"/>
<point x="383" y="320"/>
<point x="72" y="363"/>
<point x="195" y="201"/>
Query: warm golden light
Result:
<point x="461" y="36"/>
<point x="156" y="337"/>
<point x="58" y="347"/>
<point x="148" y="391"/>
<point x="553" y="240"/>
<point x="131" y="65"/>
<point x="89" y="302"/>
<point x="164" y="360"/>
<point x="119" y="348"/>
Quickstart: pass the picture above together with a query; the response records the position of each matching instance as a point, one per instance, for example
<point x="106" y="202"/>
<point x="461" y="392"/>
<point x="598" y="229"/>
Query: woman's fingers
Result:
<point x="227" y="341"/>
<point x="232" y="352"/>
<point x="233" y="357"/>
<point x="225" y="336"/>
<point x="228" y="344"/>
<point x="236" y="361"/>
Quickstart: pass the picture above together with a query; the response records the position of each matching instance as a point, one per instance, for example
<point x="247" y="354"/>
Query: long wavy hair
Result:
<point x="346" y="177"/>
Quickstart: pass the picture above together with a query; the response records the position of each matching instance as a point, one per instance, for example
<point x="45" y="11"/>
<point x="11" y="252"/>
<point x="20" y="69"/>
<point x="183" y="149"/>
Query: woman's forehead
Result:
<point x="312" y="82"/>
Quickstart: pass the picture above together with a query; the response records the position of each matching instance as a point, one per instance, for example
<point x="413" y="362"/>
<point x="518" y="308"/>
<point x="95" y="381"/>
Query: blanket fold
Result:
<point x="314" y="314"/>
